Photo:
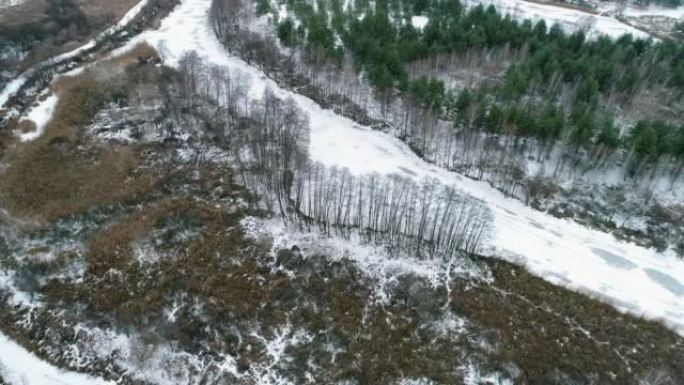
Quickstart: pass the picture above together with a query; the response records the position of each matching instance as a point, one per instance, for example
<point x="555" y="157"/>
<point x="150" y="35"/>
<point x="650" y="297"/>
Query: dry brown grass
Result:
<point x="63" y="172"/>
<point x="111" y="10"/>
<point x="542" y="329"/>
<point x="112" y="247"/>
<point x="117" y="283"/>
<point x="27" y="12"/>
<point x="60" y="178"/>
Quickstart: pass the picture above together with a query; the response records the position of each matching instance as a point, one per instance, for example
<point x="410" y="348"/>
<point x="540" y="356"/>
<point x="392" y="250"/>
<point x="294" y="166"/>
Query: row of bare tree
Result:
<point x="268" y="139"/>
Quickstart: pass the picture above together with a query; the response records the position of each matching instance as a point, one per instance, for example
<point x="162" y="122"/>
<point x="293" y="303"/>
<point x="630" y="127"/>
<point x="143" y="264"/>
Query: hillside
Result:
<point x="397" y="192"/>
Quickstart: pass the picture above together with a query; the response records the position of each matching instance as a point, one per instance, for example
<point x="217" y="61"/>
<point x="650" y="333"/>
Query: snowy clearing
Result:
<point x="570" y="19"/>
<point x="21" y="367"/>
<point x="40" y="115"/>
<point x="561" y="251"/>
<point x="373" y="260"/>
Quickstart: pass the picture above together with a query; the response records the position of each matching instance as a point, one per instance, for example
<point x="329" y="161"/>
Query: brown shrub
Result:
<point x="62" y="172"/>
<point x="55" y="178"/>
<point x="119" y="284"/>
<point x="544" y="328"/>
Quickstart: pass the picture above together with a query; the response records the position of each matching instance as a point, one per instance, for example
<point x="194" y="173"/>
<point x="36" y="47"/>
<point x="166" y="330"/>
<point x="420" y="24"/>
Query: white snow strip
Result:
<point x="630" y="277"/>
<point x="419" y="22"/>
<point x="40" y="115"/>
<point x="570" y="19"/>
<point x="12" y="87"/>
<point x="130" y="15"/>
<point x="18" y="366"/>
<point x="374" y="261"/>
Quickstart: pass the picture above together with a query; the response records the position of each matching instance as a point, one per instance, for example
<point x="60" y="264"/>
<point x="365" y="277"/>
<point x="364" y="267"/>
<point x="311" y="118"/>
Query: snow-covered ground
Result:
<point x="11" y="88"/>
<point x="18" y="366"/>
<point x="40" y="115"/>
<point x="563" y="252"/>
<point x="419" y="22"/>
<point x="631" y="277"/>
<point x="568" y="18"/>
<point x="632" y="11"/>
<point x="9" y="3"/>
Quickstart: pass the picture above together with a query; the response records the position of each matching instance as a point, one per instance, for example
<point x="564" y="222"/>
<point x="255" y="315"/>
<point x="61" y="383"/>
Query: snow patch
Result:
<point x="10" y="3"/>
<point x="373" y="260"/>
<point x="18" y="366"/>
<point x="474" y="376"/>
<point x="40" y="115"/>
<point x="570" y="19"/>
<point x="637" y="11"/>
<point x="419" y="22"/>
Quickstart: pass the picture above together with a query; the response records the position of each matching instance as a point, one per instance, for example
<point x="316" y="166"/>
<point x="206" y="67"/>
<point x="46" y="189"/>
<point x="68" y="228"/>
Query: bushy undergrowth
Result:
<point x="559" y="336"/>
<point x="172" y="265"/>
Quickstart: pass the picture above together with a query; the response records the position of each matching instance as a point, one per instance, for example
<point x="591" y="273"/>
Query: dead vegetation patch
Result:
<point x="551" y="332"/>
<point x="105" y="12"/>
<point x="64" y="172"/>
<point x="27" y="12"/>
<point x="119" y="284"/>
<point x="56" y="178"/>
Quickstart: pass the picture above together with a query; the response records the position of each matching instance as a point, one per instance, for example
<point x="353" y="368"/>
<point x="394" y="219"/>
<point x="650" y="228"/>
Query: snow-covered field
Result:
<point x="9" y="3"/>
<point x="570" y="19"/>
<point x="563" y="252"/>
<point x="21" y="367"/>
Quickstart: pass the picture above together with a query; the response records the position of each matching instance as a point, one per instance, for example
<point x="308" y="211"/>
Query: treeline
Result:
<point x="268" y="141"/>
<point x="556" y="88"/>
<point x="647" y="139"/>
<point x="382" y="40"/>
